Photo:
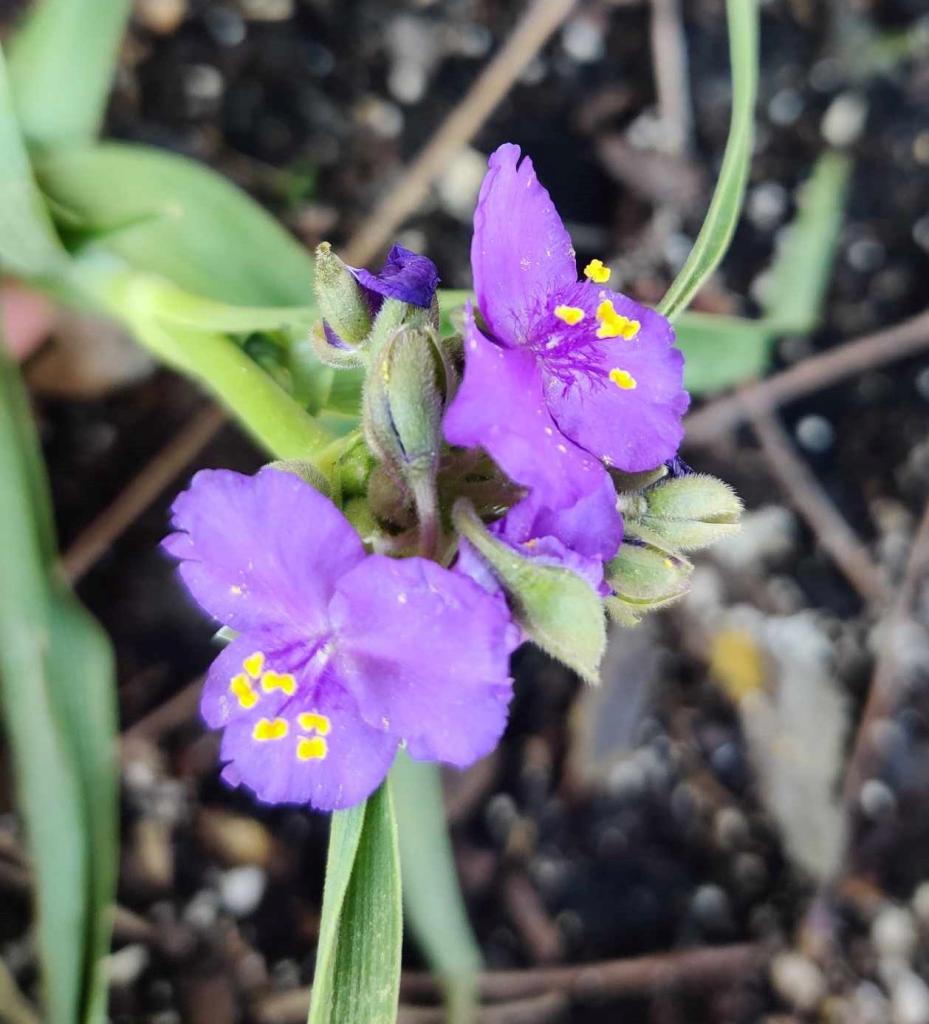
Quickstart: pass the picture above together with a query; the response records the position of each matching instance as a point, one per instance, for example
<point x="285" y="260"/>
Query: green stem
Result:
<point x="278" y="423"/>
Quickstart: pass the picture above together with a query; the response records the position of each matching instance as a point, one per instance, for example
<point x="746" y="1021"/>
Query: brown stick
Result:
<point x="553" y="987"/>
<point x="178" y="709"/>
<point x="813" y="503"/>
<point x="141" y="491"/>
<point x="898" y="342"/>
<point x="538" y="23"/>
<point x="691" y="969"/>
<point x="883" y="690"/>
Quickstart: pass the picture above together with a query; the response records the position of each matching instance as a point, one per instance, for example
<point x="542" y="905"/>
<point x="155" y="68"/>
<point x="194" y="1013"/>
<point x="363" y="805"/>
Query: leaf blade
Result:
<point x="62" y="61"/>
<point x="723" y="213"/>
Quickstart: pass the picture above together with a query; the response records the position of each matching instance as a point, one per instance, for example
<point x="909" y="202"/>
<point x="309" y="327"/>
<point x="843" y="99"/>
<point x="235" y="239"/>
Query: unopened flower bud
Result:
<point x="692" y="511"/>
<point x="644" y="578"/>
<point x="553" y="606"/>
<point x="306" y="471"/>
<point x="342" y="300"/>
<point x="404" y="400"/>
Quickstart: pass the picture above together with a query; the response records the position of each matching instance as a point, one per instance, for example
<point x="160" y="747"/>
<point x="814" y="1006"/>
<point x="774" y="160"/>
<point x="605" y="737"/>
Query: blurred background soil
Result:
<point x="665" y="812"/>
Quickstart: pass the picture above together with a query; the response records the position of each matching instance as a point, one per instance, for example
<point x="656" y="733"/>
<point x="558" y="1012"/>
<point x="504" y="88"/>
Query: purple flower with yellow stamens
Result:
<point x="569" y="377"/>
<point x="341" y="655"/>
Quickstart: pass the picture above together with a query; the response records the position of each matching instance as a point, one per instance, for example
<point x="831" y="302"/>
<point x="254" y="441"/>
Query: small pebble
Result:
<point x="241" y="890"/>
<point x="126" y="964"/>
<point x="893" y="933"/>
<point x="730" y="828"/>
<point x="226" y="26"/>
<point x="163" y="17"/>
<point x="866" y="255"/>
<point x="785" y="107"/>
<point x="267" y="10"/>
<point x="921" y="233"/>
<point x="815" y="434"/>
<point x="909" y="999"/>
<point x="920" y="903"/>
<point x="877" y="799"/>
<point x="710" y="907"/>
<point x="844" y="120"/>
<point x="798" y="980"/>
<point x="767" y="205"/>
<point x="583" y="40"/>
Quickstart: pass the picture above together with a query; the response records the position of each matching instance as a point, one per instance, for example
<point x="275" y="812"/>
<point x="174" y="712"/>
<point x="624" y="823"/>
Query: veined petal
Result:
<point x="406" y="276"/>
<point x="626" y="400"/>
<point x="520" y="252"/>
<point x="425" y="652"/>
<point x="500" y="407"/>
<point x="315" y="749"/>
<point x="260" y="551"/>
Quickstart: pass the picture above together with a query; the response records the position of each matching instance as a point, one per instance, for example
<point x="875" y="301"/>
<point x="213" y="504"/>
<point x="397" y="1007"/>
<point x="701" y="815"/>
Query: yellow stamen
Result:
<point x="613" y="324"/>
<point x="570" y="314"/>
<point x="253" y="664"/>
<point x="314" y="722"/>
<point x="270" y="729"/>
<point x="241" y="687"/>
<point x="622" y="379"/>
<point x="596" y="271"/>
<point x="313" y="748"/>
<point x="272" y="681"/>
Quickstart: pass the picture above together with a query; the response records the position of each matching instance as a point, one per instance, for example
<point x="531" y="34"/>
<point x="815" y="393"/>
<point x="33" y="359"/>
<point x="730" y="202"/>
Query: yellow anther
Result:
<point x="253" y="664"/>
<point x="570" y="314"/>
<point x="241" y="687"/>
<point x="272" y="681"/>
<point x="314" y="722"/>
<point x="622" y="379"/>
<point x="313" y="748"/>
<point x="270" y="729"/>
<point x="613" y="324"/>
<point x="596" y="271"/>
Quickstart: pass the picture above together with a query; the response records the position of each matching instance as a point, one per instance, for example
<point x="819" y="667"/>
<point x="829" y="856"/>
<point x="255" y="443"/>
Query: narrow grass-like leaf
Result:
<point x="170" y="216"/>
<point x="723" y="214"/>
<point x="796" y="284"/>
<point x="722" y="351"/>
<point x="357" y="978"/>
<point x="432" y="899"/>
<point x="56" y="695"/>
<point x="62" y="62"/>
<point x="28" y="245"/>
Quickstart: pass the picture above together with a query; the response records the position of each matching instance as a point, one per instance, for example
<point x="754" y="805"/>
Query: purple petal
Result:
<point x="258" y="551"/>
<point x="427" y="651"/>
<point x="500" y="407"/>
<point x="592" y="527"/>
<point x="520" y="253"/>
<point x="406" y="276"/>
<point x="634" y="428"/>
<point x="339" y="769"/>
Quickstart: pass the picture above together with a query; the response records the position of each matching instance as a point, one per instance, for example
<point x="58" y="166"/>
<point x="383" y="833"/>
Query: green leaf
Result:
<point x="722" y="351"/>
<point x="56" y="694"/>
<point x="557" y="609"/>
<point x="357" y="977"/>
<point x="796" y="284"/>
<point x="435" y="909"/>
<point x="62" y="61"/>
<point x="723" y="214"/>
<point x="28" y="245"/>
<point x="170" y="216"/>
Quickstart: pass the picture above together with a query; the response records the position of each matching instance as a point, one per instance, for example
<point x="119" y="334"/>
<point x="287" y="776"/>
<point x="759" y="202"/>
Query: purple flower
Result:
<point x="570" y="376"/>
<point x="341" y="655"/>
<point x="406" y="276"/>
<point x="580" y="538"/>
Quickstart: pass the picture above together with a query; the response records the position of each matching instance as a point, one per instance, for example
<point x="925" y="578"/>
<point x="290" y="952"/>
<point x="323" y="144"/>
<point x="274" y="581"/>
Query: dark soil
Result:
<point x="316" y="113"/>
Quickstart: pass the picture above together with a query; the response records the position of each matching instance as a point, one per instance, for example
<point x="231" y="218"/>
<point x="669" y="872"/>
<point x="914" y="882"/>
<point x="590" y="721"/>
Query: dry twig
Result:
<point x="723" y="414"/>
<point x="883" y="691"/>
<point x="812" y="502"/>
<point x="141" y="491"/>
<point x="537" y="25"/>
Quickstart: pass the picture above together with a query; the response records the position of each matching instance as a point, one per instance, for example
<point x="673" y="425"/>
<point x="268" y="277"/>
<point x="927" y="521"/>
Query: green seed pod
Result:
<point x="644" y="578"/>
<point x="692" y="512"/>
<point x="341" y="299"/>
